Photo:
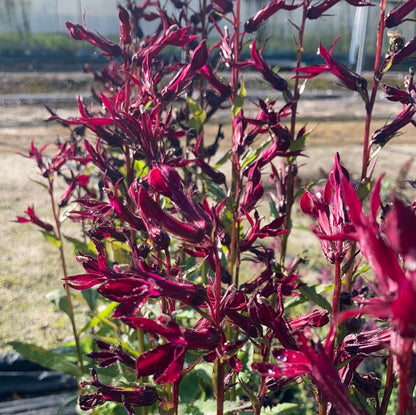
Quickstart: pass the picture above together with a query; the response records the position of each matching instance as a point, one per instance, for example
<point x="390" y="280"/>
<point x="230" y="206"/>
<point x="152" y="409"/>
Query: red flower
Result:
<point x="408" y="99"/>
<point x="254" y="189"/>
<point x="317" y="10"/>
<point x="152" y="214"/>
<point x="330" y="212"/>
<point x="396" y="287"/>
<point x="80" y="180"/>
<point x="184" y="76"/>
<point x="108" y="49"/>
<point x="350" y="79"/>
<point x="397" y="15"/>
<point x="166" y="361"/>
<point x="223" y="6"/>
<point x="386" y="133"/>
<point x="166" y="181"/>
<point x="171" y="36"/>
<point x="266" y="12"/>
<point x="397" y="57"/>
<point x="125" y="27"/>
<point x="130" y="286"/>
<point x="221" y="87"/>
<point x="397" y="95"/>
<point x="313" y="360"/>
<point x="48" y="168"/>
<point x="317" y="318"/>
<point x="256" y="232"/>
<point x="400" y="230"/>
<point x="110" y="355"/>
<point x="34" y="219"/>
<point x="276" y="81"/>
<point x="366" y="342"/>
<point x="129" y="397"/>
<point x="261" y="312"/>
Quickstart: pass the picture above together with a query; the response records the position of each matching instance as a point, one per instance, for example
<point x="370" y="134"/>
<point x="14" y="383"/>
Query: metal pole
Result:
<point x="359" y="30"/>
<point x="363" y="30"/>
<point x="79" y="10"/>
<point x="56" y="17"/>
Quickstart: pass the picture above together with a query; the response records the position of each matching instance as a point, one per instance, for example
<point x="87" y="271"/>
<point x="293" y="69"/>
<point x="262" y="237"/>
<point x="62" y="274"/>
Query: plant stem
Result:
<point x="220" y="386"/>
<point x="219" y="365"/>
<point x="337" y="282"/>
<point x="405" y="390"/>
<point x="323" y="406"/>
<point x="388" y="388"/>
<point x="374" y="88"/>
<point x="175" y="396"/>
<point x="235" y="179"/>
<point x="65" y="273"/>
<point x="290" y="178"/>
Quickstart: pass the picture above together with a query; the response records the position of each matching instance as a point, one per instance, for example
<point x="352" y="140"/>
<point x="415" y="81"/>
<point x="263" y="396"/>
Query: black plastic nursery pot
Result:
<point x="27" y="388"/>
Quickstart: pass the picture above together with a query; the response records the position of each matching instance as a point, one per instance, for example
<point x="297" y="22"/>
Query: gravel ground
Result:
<point x="29" y="267"/>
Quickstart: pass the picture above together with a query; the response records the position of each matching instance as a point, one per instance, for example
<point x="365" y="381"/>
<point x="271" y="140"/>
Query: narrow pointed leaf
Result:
<point x="52" y="239"/>
<point x="46" y="358"/>
<point x="239" y="100"/>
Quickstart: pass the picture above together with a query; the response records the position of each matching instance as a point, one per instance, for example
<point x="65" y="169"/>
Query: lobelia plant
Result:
<point x="190" y="331"/>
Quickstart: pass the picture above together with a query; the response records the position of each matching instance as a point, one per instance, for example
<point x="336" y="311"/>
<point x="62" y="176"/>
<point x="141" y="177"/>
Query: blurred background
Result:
<point x="33" y="34"/>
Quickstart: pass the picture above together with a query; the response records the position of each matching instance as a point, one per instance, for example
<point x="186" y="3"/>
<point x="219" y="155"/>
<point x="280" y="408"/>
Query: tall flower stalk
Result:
<point x="374" y="89"/>
<point x="50" y="170"/>
<point x="171" y="230"/>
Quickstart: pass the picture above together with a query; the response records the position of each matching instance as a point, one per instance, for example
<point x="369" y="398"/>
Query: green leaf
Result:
<point x="190" y="388"/>
<point x="101" y="317"/>
<point x="52" y="239"/>
<point x="239" y="100"/>
<point x="190" y="272"/>
<point x="273" y="209"/>
<point x="361" y="270"/>
<point x="276" y="68"/>
<point x="121" y="252"/>
<point x="253" y="153"/>
<point x="46" y="358"/>
<point x="215" y="191"/>
<point x="250" y="393"/>
<point x="66" y="211"/>
<point x="282" y="409"/>
<point x="310" y="294"/>
<point x="199" y="115"/>
<point x="364" y="188"/>
<point x="299" y="193"/>
<point x="209" y="407"/>
<point x="79" y="246"/>
<point x="299" y="144"/>
<point x="111" y="408"/>
<point x="224" y="159"/>
<point x="141" y="168"/>
<point x="40" y="184"/>
<point x="91" y="297"/>
<point x="58" y="298"/>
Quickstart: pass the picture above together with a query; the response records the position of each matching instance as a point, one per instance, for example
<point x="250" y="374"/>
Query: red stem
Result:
<point x="405" y="391"/>
<point x="374" y="88"/>
<point x="290" y="179"/>
<point x="337" y="282"/>
<point x="65" y="273"/>
<point x="388" y="388"/>
<point x="218" y="363"/>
